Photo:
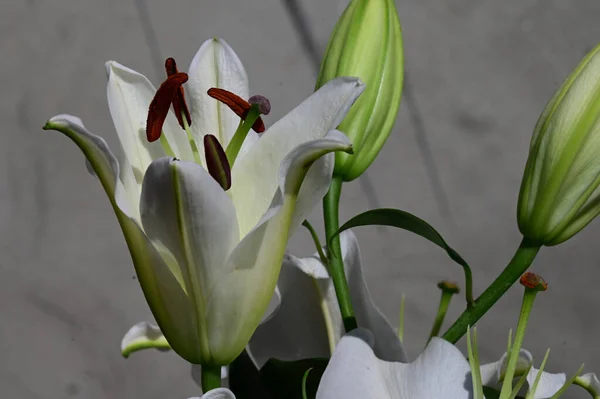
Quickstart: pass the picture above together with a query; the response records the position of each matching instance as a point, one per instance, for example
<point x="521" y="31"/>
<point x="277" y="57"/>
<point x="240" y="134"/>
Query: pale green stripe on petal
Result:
<point x="253" y="267"/>
<point x="216" y="65"/>
<point x="167" y="300"/>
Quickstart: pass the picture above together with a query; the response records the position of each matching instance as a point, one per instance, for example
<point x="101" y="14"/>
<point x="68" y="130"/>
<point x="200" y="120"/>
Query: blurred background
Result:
<point x="478" y="74"/>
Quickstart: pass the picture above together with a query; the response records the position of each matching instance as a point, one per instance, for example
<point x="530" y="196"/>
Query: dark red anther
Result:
<point x="238" y="105"/>
<point x="179" y="104"/>
<point x="159" y="107"/>
<point x="216" y="161"/>
<point x="533" y="281"/>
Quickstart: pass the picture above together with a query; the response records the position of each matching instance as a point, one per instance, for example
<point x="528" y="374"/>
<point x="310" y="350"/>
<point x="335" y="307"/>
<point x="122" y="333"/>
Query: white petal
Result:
<point x="297" y="330"/>
<point x="253" y="267"/>
<point x="387" y="344"/>
<point x="129" y="95"/>
<point x="185" y="210"/>
<point x="219" y="393"/>
<point x="143" y="336"/>
<point x="591" y="382"/>
<point x="492" y="375"/>
<point x="216" y="65"/>
<point x="355" y="372"/>
<point x="256" y="174"/>
<point x="550" y="383"/>
<point x="165" y="296"/>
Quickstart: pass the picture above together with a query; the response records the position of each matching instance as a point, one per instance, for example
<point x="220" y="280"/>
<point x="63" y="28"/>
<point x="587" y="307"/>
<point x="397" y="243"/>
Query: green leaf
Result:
<point x="291" y="380"/>
<point x="410" y="222"/>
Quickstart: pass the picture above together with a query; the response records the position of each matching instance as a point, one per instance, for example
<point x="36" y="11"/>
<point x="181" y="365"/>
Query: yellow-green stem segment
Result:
<point x="331" y="204"/>
<point x="518" y="265"/>
<point x="441" y="313"/>
<point x="513" y="356"/>
<point x="210" y="376"/>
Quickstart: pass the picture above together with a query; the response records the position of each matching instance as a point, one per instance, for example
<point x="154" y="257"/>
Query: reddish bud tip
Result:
<point x="263" y="103"/>
<point x="179" y="105"/>
<point x="159" y="107"/>
<point x="533" y="281"/>
<point x="237" y="104"/>
<point x="216" y="161"/>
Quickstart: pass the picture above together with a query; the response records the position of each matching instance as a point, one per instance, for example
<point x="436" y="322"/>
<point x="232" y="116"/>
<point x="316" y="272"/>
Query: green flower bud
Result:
<point x="559" y="192"/>
<point x="366" y="43"/>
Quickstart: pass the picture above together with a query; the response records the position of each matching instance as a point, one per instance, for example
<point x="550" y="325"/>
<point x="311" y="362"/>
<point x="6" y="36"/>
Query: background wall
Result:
<point x="478" y="75"/>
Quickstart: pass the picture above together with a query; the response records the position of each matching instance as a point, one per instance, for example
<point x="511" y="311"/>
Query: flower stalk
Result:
<point x="518" y="265"/>
<point x="533" y="284"/>
<point x="210" y="377"/>
<point x="448" y="289"/>
<point x="331" y="204"/>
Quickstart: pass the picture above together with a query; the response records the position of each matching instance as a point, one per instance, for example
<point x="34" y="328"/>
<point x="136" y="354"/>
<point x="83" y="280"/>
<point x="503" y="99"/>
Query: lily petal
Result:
<point x="298" y="329"/>
<point x="309" y="323"/>
<point x="163" y="291"/>
<point x="354" y="371"/>
<point x="129" y="96"/>
<point x="219" y="393"/>
<point x="184" y="210"/>
<point x="492" y="375"/>
<point x="143" y="336"/>
<point x="216" y="65"/>
<point x="590" y="383"/>
<point x="253" y="267"/>
<point x="256" y="174"/>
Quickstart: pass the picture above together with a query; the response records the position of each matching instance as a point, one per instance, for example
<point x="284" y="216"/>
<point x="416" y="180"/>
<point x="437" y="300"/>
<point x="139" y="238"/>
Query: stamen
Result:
<point x="263" y="103"/>
<point x="179" y="104"/>
<point x="238" y="105"/>
<point x="216" y="161"/>
<point x="533" y="281"/>
<point x="159" y="107"/>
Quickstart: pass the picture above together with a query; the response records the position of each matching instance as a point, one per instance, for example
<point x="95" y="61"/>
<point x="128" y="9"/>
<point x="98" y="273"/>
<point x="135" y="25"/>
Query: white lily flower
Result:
<point x="208" y="260"/>
<point x="354" y="371"/>
<point x="492" y="375"/>
<point x="308" y="322"/>
<point x="441" y="371"/>
<point x="218" y="393"/>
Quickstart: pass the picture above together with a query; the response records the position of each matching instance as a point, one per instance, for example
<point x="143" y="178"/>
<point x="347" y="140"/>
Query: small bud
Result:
<point x="533" y="281"/>
<point x="216" y="161"/>
<point x="366" y="43"/>
<point x="559" y="193"/>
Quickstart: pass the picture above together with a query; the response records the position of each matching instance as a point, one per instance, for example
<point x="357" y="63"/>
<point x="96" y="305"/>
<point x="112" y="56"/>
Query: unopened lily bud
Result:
<point x="366" y="43"/>
<point x="560" y="191"/>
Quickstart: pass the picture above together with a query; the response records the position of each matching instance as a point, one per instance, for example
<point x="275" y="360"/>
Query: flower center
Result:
<point x="249" y="113"/>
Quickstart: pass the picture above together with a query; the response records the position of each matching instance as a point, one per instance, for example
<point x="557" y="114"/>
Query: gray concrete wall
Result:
<point x="478" y="75"/>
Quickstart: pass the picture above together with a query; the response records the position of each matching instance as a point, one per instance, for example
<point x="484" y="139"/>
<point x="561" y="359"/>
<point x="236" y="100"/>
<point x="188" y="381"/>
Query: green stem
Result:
<point x="331" y="204"/>
<point x="234" y="146"/>
<point x="441" y="314"/>
<point x="518" y="265"/>
<point x="317" y="242"/>
<point x="210" y="377"/>
<point x="513" y="356"/>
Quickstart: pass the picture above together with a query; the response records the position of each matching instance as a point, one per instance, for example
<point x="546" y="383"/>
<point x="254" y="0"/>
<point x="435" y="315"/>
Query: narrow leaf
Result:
<point x="410" y="222"/>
